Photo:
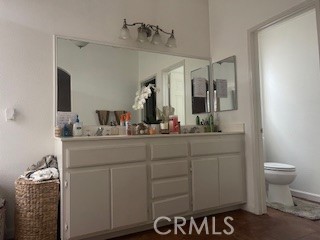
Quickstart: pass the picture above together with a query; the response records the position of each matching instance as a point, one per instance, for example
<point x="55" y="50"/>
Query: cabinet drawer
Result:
<point x="171" y="207"/>
<point x="165" y="188"/>
<point x="169" y="169"/>
<point x="167" y="151"/>
<point x="95" y="156"/>
<point x="212" y="147"/>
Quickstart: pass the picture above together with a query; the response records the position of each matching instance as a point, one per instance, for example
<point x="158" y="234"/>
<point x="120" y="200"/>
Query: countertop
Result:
<point x="94" y="138"/>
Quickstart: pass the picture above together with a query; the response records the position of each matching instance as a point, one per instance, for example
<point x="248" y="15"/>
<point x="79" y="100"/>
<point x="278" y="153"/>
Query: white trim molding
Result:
<point x="305" y="195"/>
<point x="254" y="77"/>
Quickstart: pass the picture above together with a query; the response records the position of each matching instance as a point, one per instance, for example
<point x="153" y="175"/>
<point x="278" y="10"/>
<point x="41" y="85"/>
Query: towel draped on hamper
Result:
<point x="36" y="209"/>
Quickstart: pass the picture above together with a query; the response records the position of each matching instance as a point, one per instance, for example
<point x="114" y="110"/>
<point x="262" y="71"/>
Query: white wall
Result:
<point x="153" y="64"/>
<point x="102" y="78"/>
<point x="230" y="21"/>
<point x="27" y="66"/>
<point x="290" y="74"/>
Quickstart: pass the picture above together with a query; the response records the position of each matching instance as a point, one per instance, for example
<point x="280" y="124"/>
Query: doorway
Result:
<point x="284" y="61"/>
<point x="63" y="91"/>
<point x="150" y="109"/>
<point x="174" y="89"/>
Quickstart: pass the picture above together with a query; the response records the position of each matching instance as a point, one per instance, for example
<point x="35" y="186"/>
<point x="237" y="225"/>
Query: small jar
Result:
<point x="57" y="131"/>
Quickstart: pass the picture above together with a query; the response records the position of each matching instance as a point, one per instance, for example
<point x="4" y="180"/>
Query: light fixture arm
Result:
<point x="156" y="28"/>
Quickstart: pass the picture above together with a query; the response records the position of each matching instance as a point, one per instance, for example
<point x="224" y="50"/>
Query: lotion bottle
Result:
<point x="77" y="128"/>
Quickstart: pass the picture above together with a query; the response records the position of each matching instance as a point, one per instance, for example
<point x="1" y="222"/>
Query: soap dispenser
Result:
<point x="77" y="128"/>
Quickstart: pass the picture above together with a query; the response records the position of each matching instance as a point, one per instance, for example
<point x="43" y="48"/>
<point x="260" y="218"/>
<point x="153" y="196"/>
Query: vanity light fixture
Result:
<point x="145" y="31"/>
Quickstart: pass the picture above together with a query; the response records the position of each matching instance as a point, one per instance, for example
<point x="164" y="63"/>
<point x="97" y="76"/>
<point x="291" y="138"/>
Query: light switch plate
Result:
<point x="9" y="114"/>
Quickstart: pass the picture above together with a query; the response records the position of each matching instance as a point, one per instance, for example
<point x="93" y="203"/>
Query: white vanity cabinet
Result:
<point x="170" y="178"/>
<point x="218" y="172"/>
<point x="232" y="179"/>
<point x="115" y="185"/>
<point x="129" y="195"/>
<point x="87" y="201"/>
<point x="205" y="183"/>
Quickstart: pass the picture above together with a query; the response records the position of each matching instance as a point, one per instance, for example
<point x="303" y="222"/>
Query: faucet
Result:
<point x="99" y="131"/>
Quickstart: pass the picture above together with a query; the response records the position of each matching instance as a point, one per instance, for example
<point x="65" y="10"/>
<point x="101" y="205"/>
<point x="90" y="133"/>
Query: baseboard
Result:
<point x="306" y="195"/>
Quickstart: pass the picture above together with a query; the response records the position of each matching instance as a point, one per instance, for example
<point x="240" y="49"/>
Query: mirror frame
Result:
<point x="213" y="108"/>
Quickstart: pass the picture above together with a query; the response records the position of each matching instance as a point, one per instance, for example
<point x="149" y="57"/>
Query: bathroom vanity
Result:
<point x="116" y="185"/>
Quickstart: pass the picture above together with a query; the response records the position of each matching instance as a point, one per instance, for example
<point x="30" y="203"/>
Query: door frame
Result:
<point x="165" y="80"/>
<point x="254" y="77"/>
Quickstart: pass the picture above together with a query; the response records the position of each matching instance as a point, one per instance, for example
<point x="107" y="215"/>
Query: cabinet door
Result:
<point x="129" y="195"/>
<point x="205" y="183"/>
<point x="231" y="179"/>
<point x="89" y="201"/>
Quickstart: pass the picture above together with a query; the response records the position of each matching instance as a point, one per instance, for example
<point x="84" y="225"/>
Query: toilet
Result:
<point x="278" y="177"/>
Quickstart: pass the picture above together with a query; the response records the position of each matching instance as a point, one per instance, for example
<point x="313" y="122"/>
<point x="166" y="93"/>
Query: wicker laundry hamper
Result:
<point x="36" y="211"/>
<point x="2" y="220"/>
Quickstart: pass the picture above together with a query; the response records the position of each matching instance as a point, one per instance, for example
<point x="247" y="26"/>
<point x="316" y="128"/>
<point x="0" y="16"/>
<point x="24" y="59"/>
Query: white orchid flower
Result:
<point x="142" y="95"/>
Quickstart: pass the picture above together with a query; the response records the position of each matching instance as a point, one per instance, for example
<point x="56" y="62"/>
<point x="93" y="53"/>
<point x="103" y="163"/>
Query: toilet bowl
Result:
<point x="278" y="177"/>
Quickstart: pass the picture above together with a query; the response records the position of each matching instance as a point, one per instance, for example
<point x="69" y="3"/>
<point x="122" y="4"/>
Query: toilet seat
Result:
<point x="273" y="166"/>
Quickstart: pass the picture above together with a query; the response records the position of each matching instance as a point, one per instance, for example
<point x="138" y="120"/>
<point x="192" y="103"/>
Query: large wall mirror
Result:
<point x="100" y="77"/>
<point x="225" y="84"/>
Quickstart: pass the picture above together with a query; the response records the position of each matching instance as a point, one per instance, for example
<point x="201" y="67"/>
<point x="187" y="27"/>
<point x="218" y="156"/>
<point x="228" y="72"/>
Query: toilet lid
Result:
<point x="279" y="167"/>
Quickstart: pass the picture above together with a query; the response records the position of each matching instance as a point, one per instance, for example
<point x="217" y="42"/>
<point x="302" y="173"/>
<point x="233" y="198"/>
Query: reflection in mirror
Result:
<point x="225" y="84"/>
<point x="200" y="90"/>
<point x="106" y="79"/>
<point x="149" y="112"/>
<point x="174" y="87"/>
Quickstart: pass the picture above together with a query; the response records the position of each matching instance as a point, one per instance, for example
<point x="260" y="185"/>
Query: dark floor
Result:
<point x="275" y="225"/>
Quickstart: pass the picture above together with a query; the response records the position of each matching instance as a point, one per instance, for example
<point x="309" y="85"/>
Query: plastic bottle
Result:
<point x="70" y="127"/>
<point x="197" y="120"/>
<point x="211" y="124"/>
<point x="77" y="128"/>
<point x="217" y="122"/>
<point x="128" y="123"/>
<point x="65" y="131"/>
<point x="122" y="119"/>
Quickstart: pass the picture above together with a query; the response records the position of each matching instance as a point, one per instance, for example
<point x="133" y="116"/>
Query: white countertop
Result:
<point x="92" y="138"/>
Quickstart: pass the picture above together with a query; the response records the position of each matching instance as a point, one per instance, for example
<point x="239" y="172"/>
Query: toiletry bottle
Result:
<point x="197" y="120"/>
<point x="173" y="124"/>
<point x="121" y="127"/>
<point x="217" y="122"/>
<point x="70" y="128"/>
<point x="122" y="119"/>
<point x="65" y="131"/>
<point x="77" y="128"/>
<point x="211" y="124"/>
<point x="128" y="123"/>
